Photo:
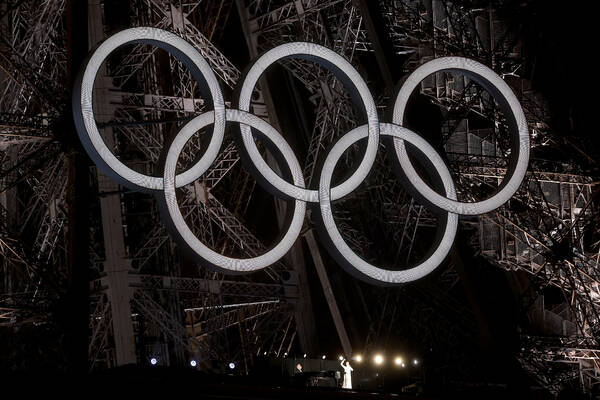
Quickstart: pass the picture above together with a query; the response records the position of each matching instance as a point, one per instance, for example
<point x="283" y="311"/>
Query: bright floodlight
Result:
<point x="231" y="365"/>
<point x="304" y="355"/>
<point x="153" y="361"/>
<point x="378" y="359"/>
<point x="340" y="358"/>
<point x="415" y="361"/>
<point x="193" y="363"/>
<point x="285" y="354"/>
<point x="323" y="356"/>
<point x="403" y="365"/>
<point x="358" y="358"/>
<point x="398" y="360"/>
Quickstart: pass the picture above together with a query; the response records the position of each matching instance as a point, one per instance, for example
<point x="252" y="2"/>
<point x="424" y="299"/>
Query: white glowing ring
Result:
<point x="83" y="110"/>
<point x="230" y="264"/>
<point x="513" y="111"/>
<point x="105" y="159"/>
<point x="366" y="269"/>
<point x="345" y="72"/>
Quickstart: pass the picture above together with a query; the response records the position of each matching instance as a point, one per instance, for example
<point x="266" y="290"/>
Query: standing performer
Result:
<point x="347" y="374"/>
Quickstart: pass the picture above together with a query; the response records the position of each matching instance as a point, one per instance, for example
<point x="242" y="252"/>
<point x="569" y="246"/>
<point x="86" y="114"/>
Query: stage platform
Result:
<point x="179" y="383"/>
<point x="149" y="382"/>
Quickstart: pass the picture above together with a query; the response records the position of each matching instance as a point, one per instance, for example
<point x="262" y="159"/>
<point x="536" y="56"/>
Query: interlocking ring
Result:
<point x="179" y="227"/>
<point x="165" y="187"/>
<point x="83" y="111"/>
<point x="511" y="108"/>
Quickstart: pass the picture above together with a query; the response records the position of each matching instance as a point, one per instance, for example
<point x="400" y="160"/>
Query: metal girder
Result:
<point x="332" y="111"/>
<point x="116" y="265"/>
<point x="100" y="326"/>
<point x="222" y="321"/>
<point x="32" y="65"/>
<point x="174" y="18"/>
<point x="265" y="16"/>
<point x="197" y="201"/>
<point x="213" y="18"/>
<point x="151" y="143"/>
<point x="214" y="287"/>
<point x="547" y="358"/>
<point x="31" y="59"/>
<point x="171" y="326"/>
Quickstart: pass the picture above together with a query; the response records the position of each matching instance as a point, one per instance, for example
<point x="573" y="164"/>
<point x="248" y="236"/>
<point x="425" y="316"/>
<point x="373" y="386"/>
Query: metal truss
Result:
<point x="234" y="291"/>
<point x="32" y="166"/>
<point x="151" y="143"/>
<point x="202" y="209"/>
<point x="544" y="230"/>
<point x="448" y="28"/>
<point x="24" y="123"/>
<point x="273" y="23"/>
<point x="100" y="326"/>
<point x="545" y="238"/>
<point x="335" y="24"/>
<point x="557" y="360"/>
<point x="172" y="327"/>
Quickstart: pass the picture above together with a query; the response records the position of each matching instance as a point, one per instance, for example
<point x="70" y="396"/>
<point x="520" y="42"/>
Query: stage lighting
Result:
<point x="398" y="361"/>
<point x="304" y="355"/>
<point x="340" y="358"/>
<point x="378" y="359"/>
<point x="193" y="363"/>
<point x="153" y="361"/>
<point x="231" y="365"/>
<point x="415" y="361"/>
<point x="323" y="356"/>
<point x="358" y="358"/>
<point x="403" y="365"/>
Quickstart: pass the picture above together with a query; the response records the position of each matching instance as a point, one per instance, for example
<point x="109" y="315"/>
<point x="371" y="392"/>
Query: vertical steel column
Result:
<point x="117" y="265"/>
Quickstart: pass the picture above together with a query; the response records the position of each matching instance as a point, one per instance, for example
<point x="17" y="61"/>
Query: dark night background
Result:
<point x="559" y="43"/>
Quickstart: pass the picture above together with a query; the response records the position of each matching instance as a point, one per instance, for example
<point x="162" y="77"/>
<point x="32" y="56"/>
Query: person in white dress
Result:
<point x="347" y="374"/>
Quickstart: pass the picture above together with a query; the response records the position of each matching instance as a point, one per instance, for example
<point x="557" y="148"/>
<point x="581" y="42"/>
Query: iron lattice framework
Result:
<point x="547" y="230"/>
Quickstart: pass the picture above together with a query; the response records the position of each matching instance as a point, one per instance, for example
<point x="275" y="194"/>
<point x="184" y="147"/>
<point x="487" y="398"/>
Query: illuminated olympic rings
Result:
<point x="164" y="187"/>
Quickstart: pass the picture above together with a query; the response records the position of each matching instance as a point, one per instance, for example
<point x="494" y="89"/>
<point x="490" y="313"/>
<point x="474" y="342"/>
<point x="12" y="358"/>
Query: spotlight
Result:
<point x="285" y="354"/>
<point x="231" y="365"/>
<point x="153" y="361"/>
<point x="193" y="363"/>
<point x="265" y="353"/>
<point x="358" y="358"/>
<point x="403" y="365"/>
<point x="304" y="355"/>
<point x="323" y="356"/>
<point x="415" y="361"/>
<point x="378" y="359"/>
<point x="340" y="358"/>
<point x="398" y="360"/>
